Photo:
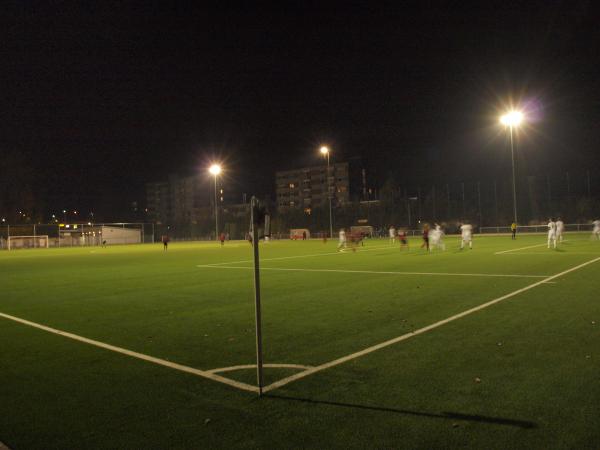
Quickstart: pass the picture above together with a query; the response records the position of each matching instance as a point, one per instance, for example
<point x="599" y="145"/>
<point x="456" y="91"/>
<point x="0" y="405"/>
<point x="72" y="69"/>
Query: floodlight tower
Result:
<point x="215" y="170"/>
<point x="512" y="119"/>
<point x="325" y="152"/>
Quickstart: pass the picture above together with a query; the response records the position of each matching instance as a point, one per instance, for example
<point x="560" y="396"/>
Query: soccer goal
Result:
<point x="19" y="242"/>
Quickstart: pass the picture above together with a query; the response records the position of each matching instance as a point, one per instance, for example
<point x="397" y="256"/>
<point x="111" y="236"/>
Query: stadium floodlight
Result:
<point x="216" y="170"/>
<point x="325" y="152"/>
<point x="513" y="119"/>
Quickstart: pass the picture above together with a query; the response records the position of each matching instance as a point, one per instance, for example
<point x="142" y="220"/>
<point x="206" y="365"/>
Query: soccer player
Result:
<point x="596" y="230"/>
<point x="222" y="239"/>
<point x="342" y="241"/>
<point x="513" y="229"/>
<point x="466" y="231"/>
<point x="165" y="240"/>
<point x="560" y="227"/>
<point x="436" y="237"/>
<point x="425" y="237"/>
<point x="552" y="232"/>
<point x="392" y="235"/>
<point x="403" y="239"/>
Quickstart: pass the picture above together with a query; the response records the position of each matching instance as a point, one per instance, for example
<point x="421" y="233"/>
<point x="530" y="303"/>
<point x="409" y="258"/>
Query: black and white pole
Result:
<point x="255" y="219"/>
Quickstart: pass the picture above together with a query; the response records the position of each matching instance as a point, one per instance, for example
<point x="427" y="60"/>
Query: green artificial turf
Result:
<point x="522" y="373"/>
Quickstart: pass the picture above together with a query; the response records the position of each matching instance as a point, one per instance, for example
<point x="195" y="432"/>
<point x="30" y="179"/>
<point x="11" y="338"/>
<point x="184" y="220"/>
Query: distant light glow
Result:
<point x="215" y="169"/>
<point x="324" y="150"/>
<point x="512" y="119"/>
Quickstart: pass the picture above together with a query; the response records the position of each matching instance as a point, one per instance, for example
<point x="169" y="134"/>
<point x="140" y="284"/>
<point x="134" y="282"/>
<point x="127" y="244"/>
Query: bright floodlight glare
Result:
<point x="215" y="169"/>
<point x="512" y="119"/>
<point x="324" y="150"/>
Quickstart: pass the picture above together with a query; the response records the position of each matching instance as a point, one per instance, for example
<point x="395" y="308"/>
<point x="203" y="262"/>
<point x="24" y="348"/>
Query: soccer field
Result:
<point x="135" y="347"/>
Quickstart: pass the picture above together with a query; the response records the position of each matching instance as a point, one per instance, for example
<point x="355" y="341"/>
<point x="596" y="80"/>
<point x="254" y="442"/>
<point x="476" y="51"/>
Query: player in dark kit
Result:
<point x="425" y="237"/>
<point x="403" y="239"/>
<point x="165" y="240"/>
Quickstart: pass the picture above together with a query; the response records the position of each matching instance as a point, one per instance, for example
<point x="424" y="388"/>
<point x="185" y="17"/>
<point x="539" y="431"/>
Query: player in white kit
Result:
<point x="392" y="235"/>
<point x="342" y="242"/>
<point x="560" y="227"/>
<point x="466" y="231"/>
<point x="552" y="233"/>
<point x="596" y="230"/>
<point x="436" y="238"/>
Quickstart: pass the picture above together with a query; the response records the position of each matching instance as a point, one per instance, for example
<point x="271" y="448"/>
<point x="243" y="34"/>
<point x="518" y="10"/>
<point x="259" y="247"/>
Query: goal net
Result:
<point x="19" y="242"/>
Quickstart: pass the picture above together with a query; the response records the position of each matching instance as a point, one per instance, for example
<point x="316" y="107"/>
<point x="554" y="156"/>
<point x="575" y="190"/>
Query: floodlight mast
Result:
<point x="215" y="170"/>
<point x="325" y="152"/>
<point x="254" y="219"/>
<point x="512" y="119"/>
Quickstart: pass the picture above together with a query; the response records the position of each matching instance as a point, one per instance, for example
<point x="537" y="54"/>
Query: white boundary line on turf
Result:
<point x="523" y="248"/>
<point x="552" y="252"/>
<point x="406" y="336"/>
<point x="382" y="247"/>
<point x="375" y="272"/>
<point x="152" y="359"/>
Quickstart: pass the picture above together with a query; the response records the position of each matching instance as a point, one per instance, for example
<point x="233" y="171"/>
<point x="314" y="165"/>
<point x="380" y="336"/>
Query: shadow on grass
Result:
<point x="443" y="415"/>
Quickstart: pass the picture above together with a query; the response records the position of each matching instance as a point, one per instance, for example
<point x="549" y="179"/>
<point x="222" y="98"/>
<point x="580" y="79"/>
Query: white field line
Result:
<point x="406" y="336"/>
<point x="523" y="248"/>
<point x="253" y="366"/>
<point x="375" y="272"/>
<point x="360" y="249"/>
<point x="152" y="359"/>
<point x="552" y="252"/>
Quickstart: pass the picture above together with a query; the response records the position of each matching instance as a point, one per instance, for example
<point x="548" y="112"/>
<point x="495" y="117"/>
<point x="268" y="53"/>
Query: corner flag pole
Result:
<point x="259" y="356"/>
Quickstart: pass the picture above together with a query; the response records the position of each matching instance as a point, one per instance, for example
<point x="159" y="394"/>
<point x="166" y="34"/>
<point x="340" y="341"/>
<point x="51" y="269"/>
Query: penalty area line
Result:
<point x="375" y="272"/>
<point x="370" y="249"/>
<point x="522" y="248"/>
<point x="366" y="351"/>
<point x="161" y="362"/>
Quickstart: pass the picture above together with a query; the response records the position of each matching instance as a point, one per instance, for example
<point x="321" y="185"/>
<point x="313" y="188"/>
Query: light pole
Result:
<point x="512" y="119"/>
<point x="325" y="152"/>
<point x="215" y="170"/>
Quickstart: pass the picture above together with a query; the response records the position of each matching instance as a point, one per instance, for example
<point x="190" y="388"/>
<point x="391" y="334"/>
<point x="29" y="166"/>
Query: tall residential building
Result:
<point x="307" y="188"/>
<point x="158" y="202"/>
<point x="180" y="200"/>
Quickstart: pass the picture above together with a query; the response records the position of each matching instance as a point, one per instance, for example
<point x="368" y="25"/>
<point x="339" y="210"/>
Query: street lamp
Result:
<point x="512" y="120"/>
<point x="325" y="152"/>
<point x="215" y="170"/>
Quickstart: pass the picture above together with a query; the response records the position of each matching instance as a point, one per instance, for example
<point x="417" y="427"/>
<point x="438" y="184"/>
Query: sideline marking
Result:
<point x="444" y="274"/>
<point x="553" y="252"/>
<point x="406" y="336"/>
<point x="152" y="359"/>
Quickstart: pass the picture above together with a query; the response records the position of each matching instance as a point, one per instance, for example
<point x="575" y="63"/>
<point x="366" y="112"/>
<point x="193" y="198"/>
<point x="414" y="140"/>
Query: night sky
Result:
<point x="97" y="100"/>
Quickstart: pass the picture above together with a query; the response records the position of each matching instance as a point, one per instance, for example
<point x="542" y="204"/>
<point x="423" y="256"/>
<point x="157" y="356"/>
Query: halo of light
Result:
<point x="512" y="118"/>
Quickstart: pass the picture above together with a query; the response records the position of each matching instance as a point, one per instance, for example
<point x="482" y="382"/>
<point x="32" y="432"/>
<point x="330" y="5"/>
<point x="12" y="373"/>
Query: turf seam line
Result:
<point x="375" y="272"/>
<point x="152" y="359"/>
<point x="335" y="362"/>
<point x="253" y="366"/>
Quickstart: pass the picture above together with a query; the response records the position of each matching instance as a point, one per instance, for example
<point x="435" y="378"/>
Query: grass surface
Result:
<point x="536" y="354"/>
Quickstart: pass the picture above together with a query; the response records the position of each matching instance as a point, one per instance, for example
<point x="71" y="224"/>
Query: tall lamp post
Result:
<point x="512" y="120"/>
<point x="215" y="170"/>
<point x="325" y="152"/>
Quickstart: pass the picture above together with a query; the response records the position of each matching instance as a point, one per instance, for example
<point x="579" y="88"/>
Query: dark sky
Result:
<point x="105" y="97"/>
